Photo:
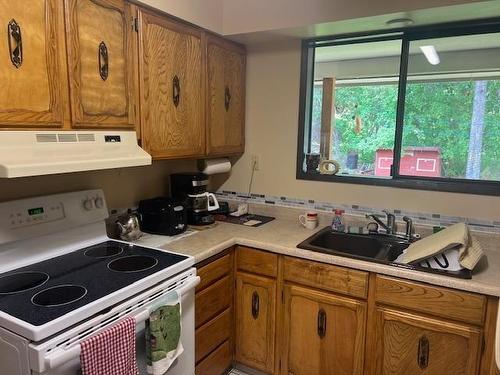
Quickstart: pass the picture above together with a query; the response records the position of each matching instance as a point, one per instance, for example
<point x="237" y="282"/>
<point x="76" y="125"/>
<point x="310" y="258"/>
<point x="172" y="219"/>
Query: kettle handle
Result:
<point x="215" y="206"/>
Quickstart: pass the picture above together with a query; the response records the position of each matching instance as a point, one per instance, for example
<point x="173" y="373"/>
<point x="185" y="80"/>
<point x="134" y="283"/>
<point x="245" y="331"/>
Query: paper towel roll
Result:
<point x="214" y="166"/>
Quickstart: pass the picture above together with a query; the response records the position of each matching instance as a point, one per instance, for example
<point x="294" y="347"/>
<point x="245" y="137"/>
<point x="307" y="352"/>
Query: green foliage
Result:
<point x="437" y="114"/>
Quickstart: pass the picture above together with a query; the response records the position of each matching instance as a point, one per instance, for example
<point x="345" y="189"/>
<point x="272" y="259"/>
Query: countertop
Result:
<point x="282" y="235"/>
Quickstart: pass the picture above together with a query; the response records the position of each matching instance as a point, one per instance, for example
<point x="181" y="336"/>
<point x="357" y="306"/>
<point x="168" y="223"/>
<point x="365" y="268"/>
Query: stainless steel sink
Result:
<point x="380" y="248"/>
<point x="365" y="246"/>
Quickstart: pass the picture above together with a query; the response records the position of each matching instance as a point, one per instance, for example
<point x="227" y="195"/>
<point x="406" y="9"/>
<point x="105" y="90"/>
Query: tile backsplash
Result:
<point x="419" y="218"/>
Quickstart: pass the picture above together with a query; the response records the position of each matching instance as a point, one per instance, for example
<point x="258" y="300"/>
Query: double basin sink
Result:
<point x="378" y="248"/>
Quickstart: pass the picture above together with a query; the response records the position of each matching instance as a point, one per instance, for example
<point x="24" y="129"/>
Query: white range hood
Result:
<point x="34" y="153"/>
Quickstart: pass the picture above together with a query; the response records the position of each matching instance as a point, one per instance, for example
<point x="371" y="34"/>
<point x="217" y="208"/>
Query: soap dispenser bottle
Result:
<point x="338" y="221"/>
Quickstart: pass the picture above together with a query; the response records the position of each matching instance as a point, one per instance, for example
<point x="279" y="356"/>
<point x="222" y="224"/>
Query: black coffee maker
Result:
<point x="191" y="188"/>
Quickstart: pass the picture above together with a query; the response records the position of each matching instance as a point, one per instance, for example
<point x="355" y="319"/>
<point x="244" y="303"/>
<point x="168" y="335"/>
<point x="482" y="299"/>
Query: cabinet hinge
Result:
<point x="135" y="24"/>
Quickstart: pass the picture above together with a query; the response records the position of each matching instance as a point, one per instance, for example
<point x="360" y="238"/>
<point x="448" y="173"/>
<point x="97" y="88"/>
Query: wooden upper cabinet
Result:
<point x="255" y="321"/>
<point x="405" y="343"/>
<point x="101" y="63"/>
<point x="32" y="64"/>
<point x="172" y="87"/>
<point x="323" y="333"/>
<point x="225" y="97"/>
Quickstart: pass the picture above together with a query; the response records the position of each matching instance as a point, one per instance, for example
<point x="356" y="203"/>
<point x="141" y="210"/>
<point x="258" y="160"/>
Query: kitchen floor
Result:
<point x="237" y="372"/>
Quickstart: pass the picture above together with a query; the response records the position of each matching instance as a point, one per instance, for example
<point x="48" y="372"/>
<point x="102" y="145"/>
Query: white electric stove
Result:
<point x="63" y="280"/>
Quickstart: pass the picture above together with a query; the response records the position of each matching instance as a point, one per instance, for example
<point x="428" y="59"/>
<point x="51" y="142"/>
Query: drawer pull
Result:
<point x="321" y="323"/>
<point x="227" y="98"/>
<point x="176" y="91"/>
<point x="15" y="43"/>
<point x="255" y="305"/>
<point x="103" y="61"/>
<point x="423" y="352"/>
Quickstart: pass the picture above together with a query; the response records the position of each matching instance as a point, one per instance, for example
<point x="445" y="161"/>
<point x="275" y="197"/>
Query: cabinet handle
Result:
<point x="255" y="305"/>
<point x="103" y="61"/>
<point x="423" y="352"/>
<point x="227" y="98"/>
<point x="176" y="91"/>
<point x="321" y="323"/>
<point x="15" y="40"/>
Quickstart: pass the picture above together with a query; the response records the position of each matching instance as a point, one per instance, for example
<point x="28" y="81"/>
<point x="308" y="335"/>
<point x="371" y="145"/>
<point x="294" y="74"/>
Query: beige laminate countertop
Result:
<point x="282" y="235"/>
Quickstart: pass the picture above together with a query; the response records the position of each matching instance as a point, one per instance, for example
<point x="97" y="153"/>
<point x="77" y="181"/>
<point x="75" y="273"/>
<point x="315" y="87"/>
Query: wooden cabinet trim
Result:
<point x="217" y="362"/>
<point x="213" y="333"/>
<point x="214" y="271"/>
<point x="448" y="303"/>
<point x="325" y="276"/>
<point x="256" y="261"/>
<point x="212" y="300"/>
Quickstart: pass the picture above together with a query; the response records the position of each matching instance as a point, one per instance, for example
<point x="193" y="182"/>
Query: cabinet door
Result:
<point x="404" y="343"/>
<point x="225" y="98"/>
<point x="32" y="64"/>
<point x="255" y="321"/>
<point x="101" y="63"/>
<point x="323" y="333"/>
<point x="172" y="83"/>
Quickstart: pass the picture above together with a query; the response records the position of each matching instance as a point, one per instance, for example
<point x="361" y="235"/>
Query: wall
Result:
<point x="122" y="187"/>
<point x="271" y="123"/>
<point x="207" y="14"/>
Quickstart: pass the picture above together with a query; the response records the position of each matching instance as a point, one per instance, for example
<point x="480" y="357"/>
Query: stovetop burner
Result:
<point x="77" y="279"/>
<point x="59" y="295"/>
<point x="105" y="250"/>
<point x="133" y="263"/>
<point x="22" y="281"/>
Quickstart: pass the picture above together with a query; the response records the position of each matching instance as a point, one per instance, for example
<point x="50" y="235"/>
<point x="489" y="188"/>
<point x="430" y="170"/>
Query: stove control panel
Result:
<point x="31" y="217"/>
<point x="22" y="216"/>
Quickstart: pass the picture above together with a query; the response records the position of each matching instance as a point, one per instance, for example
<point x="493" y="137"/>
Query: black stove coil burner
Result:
<point x="104" y="251"/>
<point x="59" y="295"/>
<point x="21" y="282"/>
<point x="132" y="263"/>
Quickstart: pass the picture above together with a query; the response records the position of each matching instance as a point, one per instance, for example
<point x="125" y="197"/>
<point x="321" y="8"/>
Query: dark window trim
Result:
<point x="480" y="187"/>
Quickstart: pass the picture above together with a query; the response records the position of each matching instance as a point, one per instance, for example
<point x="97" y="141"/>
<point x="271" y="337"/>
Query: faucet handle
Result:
<point x="409" y="227"/>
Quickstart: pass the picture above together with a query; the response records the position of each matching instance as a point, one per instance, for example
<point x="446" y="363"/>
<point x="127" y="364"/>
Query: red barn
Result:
<point x="416" y="161"/>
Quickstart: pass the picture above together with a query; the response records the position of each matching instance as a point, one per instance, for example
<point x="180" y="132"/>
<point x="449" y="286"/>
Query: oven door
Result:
<point x="61" y="355"/>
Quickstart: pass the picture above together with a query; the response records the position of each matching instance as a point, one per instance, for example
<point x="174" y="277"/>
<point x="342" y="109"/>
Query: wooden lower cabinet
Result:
<point x="406" y="343"/>
<point x="255" y="321"/>
<point x="323" y="333"/>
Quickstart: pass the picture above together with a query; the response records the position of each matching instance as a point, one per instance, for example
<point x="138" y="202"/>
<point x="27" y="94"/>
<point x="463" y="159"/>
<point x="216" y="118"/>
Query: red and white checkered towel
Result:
<point x="111" y="352"/>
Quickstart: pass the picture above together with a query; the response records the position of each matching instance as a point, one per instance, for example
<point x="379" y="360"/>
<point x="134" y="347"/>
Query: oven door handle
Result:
<point x="61" y="356"/>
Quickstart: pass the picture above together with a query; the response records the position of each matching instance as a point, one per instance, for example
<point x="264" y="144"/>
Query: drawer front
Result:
<point x="214" y="271"/>
<point x="216" y="363"/>
<point x="210" y="335"/>
<point x="256" y="261"/>
<point x="213" y="300"/>
<point x="324" y="276"/>
<point x="448" y="303"/>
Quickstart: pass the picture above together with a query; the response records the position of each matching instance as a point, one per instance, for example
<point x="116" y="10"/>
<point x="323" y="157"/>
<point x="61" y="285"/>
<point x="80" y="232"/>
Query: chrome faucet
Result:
<point x="409" y="227"/>
<point x="390" y="227"/>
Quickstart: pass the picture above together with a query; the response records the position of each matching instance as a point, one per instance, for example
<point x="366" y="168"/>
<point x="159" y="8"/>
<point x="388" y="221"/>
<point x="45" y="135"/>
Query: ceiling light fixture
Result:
<point x="430" y="54"/>
<point x="400" y="22"/>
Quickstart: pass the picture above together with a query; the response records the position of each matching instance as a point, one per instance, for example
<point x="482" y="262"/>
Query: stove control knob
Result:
<point x="88" y="204"/>
<point x="99" y="202"/>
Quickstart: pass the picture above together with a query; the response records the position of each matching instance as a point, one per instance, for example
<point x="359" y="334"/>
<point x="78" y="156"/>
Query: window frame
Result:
<point x="406" y="35"/>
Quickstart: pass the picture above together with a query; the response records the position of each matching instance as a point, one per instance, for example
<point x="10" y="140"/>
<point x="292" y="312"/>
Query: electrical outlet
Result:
<point x="255" y="162"/>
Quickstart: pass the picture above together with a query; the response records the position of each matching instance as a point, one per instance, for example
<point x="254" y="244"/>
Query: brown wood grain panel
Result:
<point x="444" y="302"/>
<point x="340" y="350"/>
<point x="213" y="300"/>
<point x="255" y="334"/>
<point x="98" y="103"/>
<point x="488" y="362"/>
<point x="213" y="333"/>
<point x="256" y="261"/>
<point x="167" y="50"/>
<point x="451" y="348"/>
<point x="217" y="363"/>
<point x="35" y="94"/>
<point x="225" y="75"/>
<point x="214" y="271"/>
<point x="324" y="276"/>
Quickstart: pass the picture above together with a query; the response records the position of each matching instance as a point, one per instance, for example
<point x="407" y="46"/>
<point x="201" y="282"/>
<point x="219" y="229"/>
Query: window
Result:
<point x="416" y="108"/>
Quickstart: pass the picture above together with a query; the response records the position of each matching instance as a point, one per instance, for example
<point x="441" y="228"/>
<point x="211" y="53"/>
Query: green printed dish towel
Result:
<point x="163" y="334"/>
